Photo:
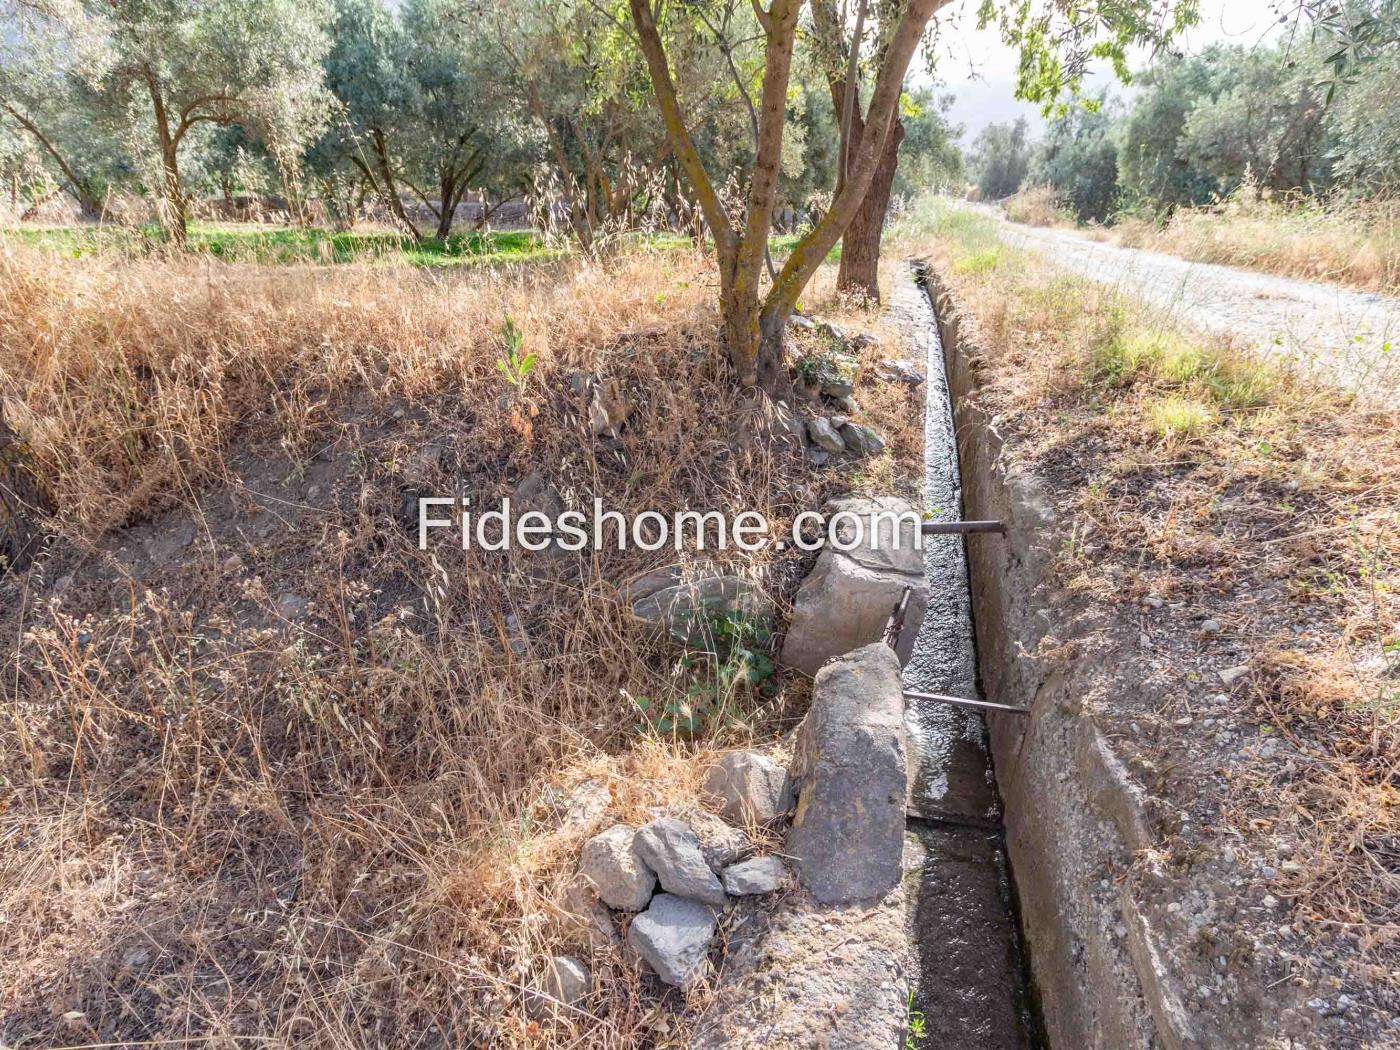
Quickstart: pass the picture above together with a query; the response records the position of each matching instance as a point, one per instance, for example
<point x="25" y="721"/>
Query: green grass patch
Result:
<point x="1181" y="416"/>
<point x="257" y="244"/>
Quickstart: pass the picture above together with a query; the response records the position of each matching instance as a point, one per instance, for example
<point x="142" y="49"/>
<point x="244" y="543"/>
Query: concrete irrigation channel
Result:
<point x="972" y="988"/>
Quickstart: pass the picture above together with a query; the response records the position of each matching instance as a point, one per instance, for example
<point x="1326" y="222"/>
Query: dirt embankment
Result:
<point x="1160" y="882"/>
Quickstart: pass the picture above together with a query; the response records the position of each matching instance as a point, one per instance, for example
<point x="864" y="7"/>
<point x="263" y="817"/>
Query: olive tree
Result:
<point x="873" y="43"/>
<point x="166" y="67"/>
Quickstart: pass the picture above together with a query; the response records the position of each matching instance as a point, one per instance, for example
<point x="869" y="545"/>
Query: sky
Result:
<point x="980" y="71"/>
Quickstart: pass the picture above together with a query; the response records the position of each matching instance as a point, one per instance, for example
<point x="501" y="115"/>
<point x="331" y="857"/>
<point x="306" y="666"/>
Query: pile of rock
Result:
<point x="673" y="883"/>
<point x="830" y="387"/>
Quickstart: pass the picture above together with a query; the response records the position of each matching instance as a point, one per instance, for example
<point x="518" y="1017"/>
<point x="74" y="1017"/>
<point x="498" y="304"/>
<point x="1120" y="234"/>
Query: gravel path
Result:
<point x="1347" y="337"/>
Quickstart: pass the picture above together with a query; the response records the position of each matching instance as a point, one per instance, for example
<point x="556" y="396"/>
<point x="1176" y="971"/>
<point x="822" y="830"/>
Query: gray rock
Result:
<point x="847" y="599"/>
<point x="751" y="787"/>
<point x="802" y="324"/>
<point x="533" y="492"/>
<point x="668" y="847"/>
<point x="850" y="761"/>
<point x="581" y="804"/>
<point x="686" y="607"/>
<point x="838" y="388"/>
<point x="832" y="331"/>
<point x="584" y="915"/>
<point x="1211" y="627"/>
<point x="292" y="606"/>
<point x="1231" y="675"/>
<point x="861" y="440"/>
<point x="673" y="935"/>
<point x="754" y="876"/>
<point x="817" y="457"/>
<point x="619" y="875"/>
<point x="608" y="408"/>
<point x="824" y="435"/>
<point x="565" y="982"/>
<point x="901" y="370"/>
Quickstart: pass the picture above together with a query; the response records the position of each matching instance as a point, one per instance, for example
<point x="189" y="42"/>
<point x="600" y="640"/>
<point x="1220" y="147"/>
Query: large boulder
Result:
<point x="611" y="862"/>
<point x="672" y="850"/>
<point x="751" y="787"/>
<point x="847" y="836"/>
<point x="673" y="935"/>
<point x="846" y="601"/>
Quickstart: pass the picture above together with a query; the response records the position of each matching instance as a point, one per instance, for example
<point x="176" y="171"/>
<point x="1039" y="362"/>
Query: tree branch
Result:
<point x="674" y="119"/>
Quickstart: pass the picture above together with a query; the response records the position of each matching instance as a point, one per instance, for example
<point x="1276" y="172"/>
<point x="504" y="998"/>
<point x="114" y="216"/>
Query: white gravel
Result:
<point x="1347" y="337"/>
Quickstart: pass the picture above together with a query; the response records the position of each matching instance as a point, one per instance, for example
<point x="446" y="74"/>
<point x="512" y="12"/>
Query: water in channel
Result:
<point x="971" y="989"/>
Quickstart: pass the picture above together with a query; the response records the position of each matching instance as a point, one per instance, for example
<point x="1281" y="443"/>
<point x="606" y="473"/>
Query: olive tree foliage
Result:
<point x="1078" y="158"/>
<point x="165" y="68"/>
<point x="1266" y="120"/>
<point x="418" y="111"/>
<point x="156" y="70"/>
<point x="754" y="321"/>
<point x="577" y="73"/>
<point x="1000" y="159"/>
<point x="42" y="101"/>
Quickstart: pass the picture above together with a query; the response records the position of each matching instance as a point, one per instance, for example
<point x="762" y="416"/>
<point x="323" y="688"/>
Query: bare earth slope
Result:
<point x="1348" y="337"/>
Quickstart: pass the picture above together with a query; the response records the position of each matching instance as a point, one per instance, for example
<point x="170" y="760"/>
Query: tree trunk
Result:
<point x="391" y="197"/>
<point x="173" y="216"/>
<point x="860" y="245"/>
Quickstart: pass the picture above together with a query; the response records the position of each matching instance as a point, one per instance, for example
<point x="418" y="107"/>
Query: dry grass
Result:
<point x="1354" y="243"/>
<point x="222" y="825"/>
<point x="1193" y="473"/>
<point x="1037" y="206"/>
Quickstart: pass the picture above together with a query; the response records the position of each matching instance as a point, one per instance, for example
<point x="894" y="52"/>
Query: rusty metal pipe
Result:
<point x="953" y="528"/>
<point x="985" y="705"/>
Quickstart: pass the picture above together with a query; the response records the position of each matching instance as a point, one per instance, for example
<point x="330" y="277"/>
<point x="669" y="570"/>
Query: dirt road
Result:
<point x="1347" y="337"/>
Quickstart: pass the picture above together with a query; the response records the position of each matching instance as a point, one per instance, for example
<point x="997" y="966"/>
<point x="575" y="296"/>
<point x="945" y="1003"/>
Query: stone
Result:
<point x="583" y="914"/>
<point x="832" y="331"/>
<point x="846" y="600"/>
<point x="1231" y="675"/>
<point x="751" y="787"/>
<point x="685" y="607"/>
<point x="564" y="982"/>
<point x="1211" y="627"/>
<point x="861" y="440"/>
<point x="824" y="435"/>
<point x="754" y="876"/>
<point x="787" y="426"/>
<point x="619" y="875"/>
<point x="817" y="457"/>
<point x="608" y="408"/>
<point x="838" y="388"/>
<point x="864" y="339"/>
<point x="850" y="761"/>
<point x="673" y="936"/>
<point x="582" y="804"/>
<point x="533" y="492"/>
<point x="292" y="606"/>
<point x="801" y="323"/>
<point x="668" y="847"/>
<point x="901" y="370"/>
